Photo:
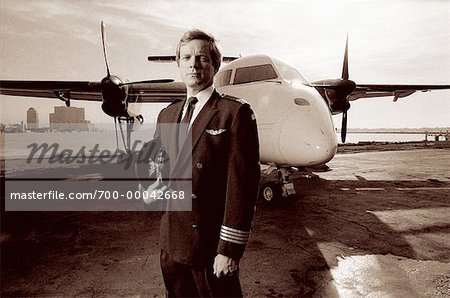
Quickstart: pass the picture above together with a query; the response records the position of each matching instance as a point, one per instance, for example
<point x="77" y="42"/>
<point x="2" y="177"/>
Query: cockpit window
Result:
<point x="289" y="73"/>
<point x="254" y="73"/>
<point x="223" y="78"/>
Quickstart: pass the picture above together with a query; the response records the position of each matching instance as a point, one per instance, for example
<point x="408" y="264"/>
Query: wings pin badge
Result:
<point x="215" y="132"/>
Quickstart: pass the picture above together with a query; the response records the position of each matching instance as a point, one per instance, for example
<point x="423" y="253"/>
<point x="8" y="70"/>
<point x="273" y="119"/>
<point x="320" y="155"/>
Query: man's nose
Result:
<point x="194" y="62"/>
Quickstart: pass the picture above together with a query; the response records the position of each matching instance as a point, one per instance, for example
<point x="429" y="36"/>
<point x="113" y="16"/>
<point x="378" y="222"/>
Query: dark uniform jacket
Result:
<point x="225" y="179"/>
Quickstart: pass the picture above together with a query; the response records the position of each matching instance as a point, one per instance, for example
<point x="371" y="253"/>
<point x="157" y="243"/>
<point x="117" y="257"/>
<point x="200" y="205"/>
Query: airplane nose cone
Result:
<point x="306" y="141"/>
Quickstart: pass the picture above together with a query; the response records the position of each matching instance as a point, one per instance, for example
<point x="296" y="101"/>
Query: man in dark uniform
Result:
<point x="201" y="249"/>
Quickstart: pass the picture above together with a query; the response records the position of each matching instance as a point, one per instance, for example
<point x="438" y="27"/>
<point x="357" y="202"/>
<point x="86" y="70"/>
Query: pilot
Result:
<point x="201" y="249"/>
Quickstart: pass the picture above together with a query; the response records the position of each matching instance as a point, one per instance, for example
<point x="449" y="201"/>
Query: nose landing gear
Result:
<point x="283" y="187"/>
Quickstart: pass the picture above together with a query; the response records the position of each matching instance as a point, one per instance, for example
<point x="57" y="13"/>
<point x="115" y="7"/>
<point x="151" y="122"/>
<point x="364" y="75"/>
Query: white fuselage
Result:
<point x="294" y="122"/>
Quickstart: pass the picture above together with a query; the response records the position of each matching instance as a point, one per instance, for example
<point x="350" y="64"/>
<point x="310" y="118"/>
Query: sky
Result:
<point x="398" y="42"/>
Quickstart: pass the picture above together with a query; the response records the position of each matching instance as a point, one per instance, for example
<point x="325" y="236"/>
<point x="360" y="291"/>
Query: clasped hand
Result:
<point x="155" y="187"/>
<point x="224" y="265"/>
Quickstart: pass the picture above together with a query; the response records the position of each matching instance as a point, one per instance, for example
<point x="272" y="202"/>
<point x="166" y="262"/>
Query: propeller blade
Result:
<point x="344" y="127"/>
<point x="155" y="81"/>
<point x="104" y="48"/>
<point x="345" y="65"/>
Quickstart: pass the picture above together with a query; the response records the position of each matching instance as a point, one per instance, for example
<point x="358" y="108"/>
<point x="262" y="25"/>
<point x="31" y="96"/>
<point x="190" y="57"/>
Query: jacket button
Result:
<point x="195" y="225"/>
<point x="194" y="196"/>
<point x="199" y="165"/>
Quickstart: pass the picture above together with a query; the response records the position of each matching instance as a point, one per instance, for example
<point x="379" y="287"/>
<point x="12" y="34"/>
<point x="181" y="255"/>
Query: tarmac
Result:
<point x="376" y="225"/>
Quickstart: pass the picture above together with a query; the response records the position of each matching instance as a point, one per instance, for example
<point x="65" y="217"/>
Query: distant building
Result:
<point x="68" y="119"/>
<point x="14" y="128"/>
<point x="32" y="119"/>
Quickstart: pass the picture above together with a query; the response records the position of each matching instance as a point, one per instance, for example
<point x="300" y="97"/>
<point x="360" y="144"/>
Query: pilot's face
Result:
<point x="195" y="64"/>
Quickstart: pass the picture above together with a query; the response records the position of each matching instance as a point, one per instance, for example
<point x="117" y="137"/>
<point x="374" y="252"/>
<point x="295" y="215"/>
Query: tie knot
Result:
<point x="192" y="101"/>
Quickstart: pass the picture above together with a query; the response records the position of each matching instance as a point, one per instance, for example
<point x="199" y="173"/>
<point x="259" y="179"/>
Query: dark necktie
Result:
<point x="183" y="130"/>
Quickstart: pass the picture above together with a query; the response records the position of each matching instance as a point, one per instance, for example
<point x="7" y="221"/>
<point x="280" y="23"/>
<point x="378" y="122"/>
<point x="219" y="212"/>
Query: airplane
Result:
<point x="294" y="116"/>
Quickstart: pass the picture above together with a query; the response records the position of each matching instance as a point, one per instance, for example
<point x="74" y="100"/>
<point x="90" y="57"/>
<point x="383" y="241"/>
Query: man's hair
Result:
<point x="214" y="51"/>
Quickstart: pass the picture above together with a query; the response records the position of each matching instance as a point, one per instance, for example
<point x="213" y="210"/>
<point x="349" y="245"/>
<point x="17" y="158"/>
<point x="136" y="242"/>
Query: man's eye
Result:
<point x="204" y="59"/>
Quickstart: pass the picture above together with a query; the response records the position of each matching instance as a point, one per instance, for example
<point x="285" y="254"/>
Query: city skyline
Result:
<point x="60" y="116"/>
<point x="337" y="128"/>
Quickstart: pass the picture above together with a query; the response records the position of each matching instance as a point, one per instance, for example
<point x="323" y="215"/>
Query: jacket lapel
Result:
<point x="170" y="128"/>
<point x="197" y="129"/>
<point x="203" y="118"/>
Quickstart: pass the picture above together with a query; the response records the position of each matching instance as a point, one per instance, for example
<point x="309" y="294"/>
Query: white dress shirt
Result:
<point x="202" y="98"/>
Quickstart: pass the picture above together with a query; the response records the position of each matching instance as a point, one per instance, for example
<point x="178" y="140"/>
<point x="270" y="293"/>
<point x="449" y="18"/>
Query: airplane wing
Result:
<point x="167" y="92"/>
<point x="338" y="92"/>
<point x="397" y="91"/>
<point x="91" y="91"/>
<point x="81" y="90"/>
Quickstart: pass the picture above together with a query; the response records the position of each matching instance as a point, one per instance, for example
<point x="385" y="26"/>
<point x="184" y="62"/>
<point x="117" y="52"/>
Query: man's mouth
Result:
<point x="194" y="75"/>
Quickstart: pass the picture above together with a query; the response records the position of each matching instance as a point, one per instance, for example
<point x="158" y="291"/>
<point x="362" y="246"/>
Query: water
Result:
<point x="382" y="137"/>
<point x="17" y="145"/>
<point x="19" y="157"/>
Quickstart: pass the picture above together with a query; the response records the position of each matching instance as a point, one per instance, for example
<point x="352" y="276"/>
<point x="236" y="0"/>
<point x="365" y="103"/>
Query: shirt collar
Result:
<point x="204" y="95"/>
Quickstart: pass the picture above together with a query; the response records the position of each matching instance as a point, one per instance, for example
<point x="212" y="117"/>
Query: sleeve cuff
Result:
<point x="232" y="242"/>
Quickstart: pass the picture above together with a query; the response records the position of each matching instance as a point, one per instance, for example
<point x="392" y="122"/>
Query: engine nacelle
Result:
<point x="336" y="92"/>
<point x="114" y="94"/>
<point x="340" y="105"/>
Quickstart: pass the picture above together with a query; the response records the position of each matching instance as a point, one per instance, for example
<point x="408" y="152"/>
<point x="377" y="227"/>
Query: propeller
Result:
<point x="345" y="76"/>
<point x="108" y="73"/>
<point x="345" y="64"/>
<point x="115" y="94"/>
<point x="104" y="48"/>
<point x="344" y="126"/>
<point x="336" y="92"/>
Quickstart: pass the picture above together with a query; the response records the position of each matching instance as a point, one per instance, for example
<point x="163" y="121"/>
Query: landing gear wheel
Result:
<point x="271" y="191"/>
